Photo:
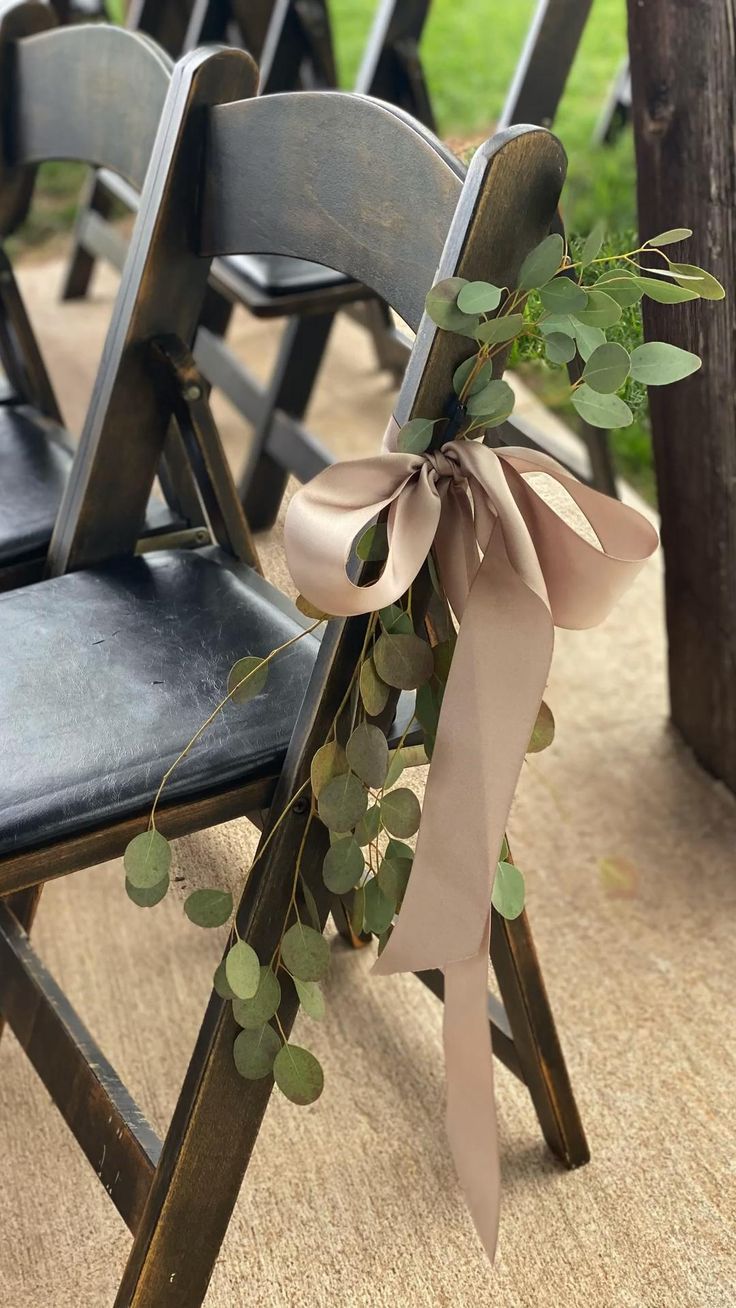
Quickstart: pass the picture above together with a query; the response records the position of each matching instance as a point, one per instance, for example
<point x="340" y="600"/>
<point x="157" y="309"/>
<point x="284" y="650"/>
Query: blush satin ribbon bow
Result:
<point x="512" y="570"/>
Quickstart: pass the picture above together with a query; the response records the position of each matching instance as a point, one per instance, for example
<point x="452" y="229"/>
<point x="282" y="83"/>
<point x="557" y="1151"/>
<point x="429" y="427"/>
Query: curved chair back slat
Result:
<point x="334" y="178"/>
<point x="93" y="94"/>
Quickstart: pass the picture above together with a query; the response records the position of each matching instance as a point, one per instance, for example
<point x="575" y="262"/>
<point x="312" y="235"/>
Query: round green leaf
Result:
<point x="367" y="754"/>
<point x="254" y="1013"/>
<point x="372" y="546"/>
<point x="607" y="368"/>
<point x="441" y="306"/>
<point x="403" y="661"/>
<point x="544" y="730"/>
<point x="246" y="680"/>
<point x="494" y="403"/>
<point x="557" y="322"/>
<point x="705" y="284"/>
<point x="298" y="1075"/>
<point x="311" y="998"/>
<point x="310" y="610"/>
<point x="559" y="348"/>
<point x="329" y="761"/>
<point x="209" y="908"/>
<point x="378" y="910"/>
<point x="592" y="245"/>
<point x="356" y="912"/>
<point x="415" y="436"/>
<point x="401" y="812"/>
<point x="310" y="905"/>
<point x="242" y="970"/>
<point x="395" y="768"/>
<point x="343" y="866"/>
<point x="658" y="364"/>
<point x="369" y="826"/>
<point x="254" y="1052"/>
<point x="622" y="286"/>
<point x="601" y="410"/>
<point x="670" y="237"/>
<point x="305" y="952"/>
<point x="499" y="330"/>
<point x="397" y="849"/>
<point x="587" y="338"/>
<point x="482" y="377"/>
<point x="147" y="860"/>
<point x="342" y="802"/>
<point x="665" y="292"/>
<point x="220" y="982"/>
<point x="427" y="712"/>
<point x="508" y="891"/>
<point x="541" y="263"/>
<point x="373" y="691"/>
<point x="393" y="878"/>
<point x="563" y="295"/>
<point x="147" y="896"/>
<point x="478" y="297"/>
<point x="394" y="618"/>
<point x="601" y="311"/>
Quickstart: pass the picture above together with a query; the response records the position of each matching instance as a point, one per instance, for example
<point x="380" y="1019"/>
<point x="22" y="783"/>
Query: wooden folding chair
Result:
<point x="188" y="614"/>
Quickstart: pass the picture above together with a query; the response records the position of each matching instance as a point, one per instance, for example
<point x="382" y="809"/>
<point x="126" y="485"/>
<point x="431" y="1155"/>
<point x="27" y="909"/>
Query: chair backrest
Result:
<point x="90" y="93"/>
<point x="333" y="177"/>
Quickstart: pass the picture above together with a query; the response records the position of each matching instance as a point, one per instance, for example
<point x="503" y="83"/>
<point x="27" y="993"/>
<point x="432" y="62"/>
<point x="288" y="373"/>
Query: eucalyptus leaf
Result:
<point x="508" y="891"/>
<point x="665" y="292"/>
<point x="298" y="1075"/>
<point x="254" y="1052"/>
<point x="384" y="939"/>
<point x="500" y="330"/>
<point x="378" y="911"/>
<point x="372" y="546"/>
<point x="541" y="263"/>
<point x="310" y="904"/>
<point x="343" y="866"/>
<point x="367" y="754"/>
<point x="658" y="364"/>
<point x="403" y="661"/>
<point x="479" y="297"/>
<point x="441" y="307"/>
<point x="242" y="970"/>
<point x="394" y="618"/>
<point x="220" y="982"/>
<point x="311" y="998"/>
<point x="395" y="768"/>
<point x="342" y="802"/>
<point x="593" y="244"/>
<point x="607" y="368"/>
<point x="393" y="878"/>
<point x="607" y="411"/>
<point x="560" y="323"/>
<point x="587" y="338"/>
<point x="147" y="896"/>
<point x="401" y="812"/>
<point x="543" y="733"/>
<point x="670" y="237"/>
<point x="494" y="403"/>
<point x="427" y="713"/>
<point x="369" y="826"/>
<point x="147" y="860"/>
<point x="415" y="436"/>
<point x="328" y="761"/>
<point x="622" y="286"/>
<point x="310" y="610"/>
<point x="481" y="379"/>
<point x="397" y="849"/>
<point x="705" y="284"/>
<point x="559" y="348"/>
<point x="305" y="952"/>
<point x="563" y="295"/>
<point x="602" y="311"/>
<point x="247" y="679"/>
<point x="373" y="691"/>
<point x="209" y="908"/>
<point x="356" y="911"/>
<point x="253" y="1013"/>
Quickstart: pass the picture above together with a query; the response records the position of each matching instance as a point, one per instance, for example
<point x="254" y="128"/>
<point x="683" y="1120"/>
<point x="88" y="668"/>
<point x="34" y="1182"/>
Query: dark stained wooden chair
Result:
<point x="148" y="640"/>
<point x="92" y="122"/>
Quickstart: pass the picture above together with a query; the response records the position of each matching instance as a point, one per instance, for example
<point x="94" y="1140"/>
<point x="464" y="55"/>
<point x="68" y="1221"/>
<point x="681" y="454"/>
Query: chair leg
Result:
<point x="302" y="349"/>
<point x="97" y="199"/>
<point x="23" y="906"/>
<point x="530" y="1017"/>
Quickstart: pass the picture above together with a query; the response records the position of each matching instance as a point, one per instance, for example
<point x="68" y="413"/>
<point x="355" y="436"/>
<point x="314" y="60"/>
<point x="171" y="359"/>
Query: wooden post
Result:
<point x="684" y="97"/>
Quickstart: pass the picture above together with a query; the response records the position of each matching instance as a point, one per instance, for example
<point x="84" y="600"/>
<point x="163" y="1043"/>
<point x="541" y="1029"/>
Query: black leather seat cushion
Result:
<point x="276" y="274"/>
<point x="105" y="675"/>
<point x="35" y="459"/>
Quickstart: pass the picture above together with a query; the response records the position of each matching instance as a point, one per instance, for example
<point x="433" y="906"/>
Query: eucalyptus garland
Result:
<point x="562" y="308"/>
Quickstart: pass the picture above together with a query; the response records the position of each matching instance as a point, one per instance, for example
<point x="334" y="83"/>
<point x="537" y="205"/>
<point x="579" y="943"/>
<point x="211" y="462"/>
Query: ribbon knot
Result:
<point x="512" y="570"/>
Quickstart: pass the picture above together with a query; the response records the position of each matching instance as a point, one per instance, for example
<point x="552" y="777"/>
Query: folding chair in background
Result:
<point x="174" y="621"/>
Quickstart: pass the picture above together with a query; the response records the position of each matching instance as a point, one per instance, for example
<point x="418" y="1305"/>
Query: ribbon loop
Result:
<point x="512" y="570"/>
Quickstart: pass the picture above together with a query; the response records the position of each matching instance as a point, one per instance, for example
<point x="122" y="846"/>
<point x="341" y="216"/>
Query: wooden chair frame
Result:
<point x="177" y="1198"/>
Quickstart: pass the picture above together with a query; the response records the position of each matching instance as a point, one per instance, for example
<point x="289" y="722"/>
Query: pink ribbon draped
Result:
<point x="512" y="570"/>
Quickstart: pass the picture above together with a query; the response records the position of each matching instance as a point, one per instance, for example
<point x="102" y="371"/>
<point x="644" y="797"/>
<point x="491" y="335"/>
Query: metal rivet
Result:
<point x="300" y="806"/>
<point x="192" y="391"/>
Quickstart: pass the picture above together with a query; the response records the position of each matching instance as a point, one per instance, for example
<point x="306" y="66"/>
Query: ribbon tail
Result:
<point x="470" y="1114"/>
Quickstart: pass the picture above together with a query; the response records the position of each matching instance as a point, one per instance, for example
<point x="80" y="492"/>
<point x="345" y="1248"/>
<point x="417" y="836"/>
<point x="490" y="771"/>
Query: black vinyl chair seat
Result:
<point x="272" y="285"/>
<point x="35" y="459"/>
<point x="106" y="674"/>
